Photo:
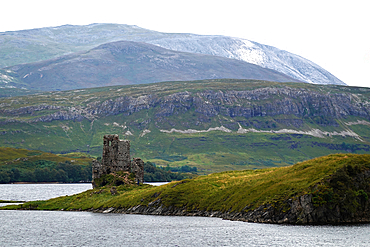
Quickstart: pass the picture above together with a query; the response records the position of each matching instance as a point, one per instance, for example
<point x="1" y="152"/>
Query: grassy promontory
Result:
<point x="329" y="189"/>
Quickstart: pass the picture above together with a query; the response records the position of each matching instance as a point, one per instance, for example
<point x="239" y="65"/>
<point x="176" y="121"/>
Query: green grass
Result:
<point x="226" y="191"/>
<point x="210" y="152"/>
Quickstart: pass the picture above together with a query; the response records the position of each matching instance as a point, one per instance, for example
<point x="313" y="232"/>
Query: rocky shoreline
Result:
<point x="342" y="198"/>
<point x="300" y="211"/>
<point x="328" y="190"/>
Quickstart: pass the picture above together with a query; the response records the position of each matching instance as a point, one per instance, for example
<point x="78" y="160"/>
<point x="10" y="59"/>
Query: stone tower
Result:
<point x="116" y="154"/>
<point x="116" y="157"/>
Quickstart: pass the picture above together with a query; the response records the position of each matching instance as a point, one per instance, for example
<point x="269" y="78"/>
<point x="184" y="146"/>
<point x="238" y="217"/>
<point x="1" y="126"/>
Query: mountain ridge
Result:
<point x="128" y="62"/>
<point x="45" y="43"/>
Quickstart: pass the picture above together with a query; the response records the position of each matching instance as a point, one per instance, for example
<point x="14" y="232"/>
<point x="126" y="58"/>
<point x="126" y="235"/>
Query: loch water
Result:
<point x="58" y="228"/>
<point x="33" y="192"/>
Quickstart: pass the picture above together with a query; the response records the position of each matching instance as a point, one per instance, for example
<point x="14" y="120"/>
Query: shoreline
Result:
<point x="47" y="183"/>
<point x="328" y="190"/>
<point x="251" y="217"/>
<point x="301" y="212"/>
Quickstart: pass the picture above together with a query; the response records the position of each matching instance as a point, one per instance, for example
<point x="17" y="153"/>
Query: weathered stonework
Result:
<point x="116" y="157"/>
<point x="137" y="167"/>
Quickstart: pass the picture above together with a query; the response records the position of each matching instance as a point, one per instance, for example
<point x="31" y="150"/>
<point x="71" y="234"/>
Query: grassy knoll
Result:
<point x="226" y="191"/>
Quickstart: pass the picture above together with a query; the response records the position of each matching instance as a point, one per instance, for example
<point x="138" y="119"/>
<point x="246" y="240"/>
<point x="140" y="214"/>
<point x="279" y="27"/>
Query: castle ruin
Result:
<point x="116" y="157"/>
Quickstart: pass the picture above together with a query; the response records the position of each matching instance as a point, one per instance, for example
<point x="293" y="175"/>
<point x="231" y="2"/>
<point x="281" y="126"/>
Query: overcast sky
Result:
<point x="332" y="34"/>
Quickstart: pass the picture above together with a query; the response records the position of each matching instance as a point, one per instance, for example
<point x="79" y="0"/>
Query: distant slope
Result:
<point x="327" y="190"/>
<point x="21" y="165"/>
<point x="127" y="62"/>
<point x="214" y="125"/>
<point x="45" y="43"/>
<point x="12" y="91"/>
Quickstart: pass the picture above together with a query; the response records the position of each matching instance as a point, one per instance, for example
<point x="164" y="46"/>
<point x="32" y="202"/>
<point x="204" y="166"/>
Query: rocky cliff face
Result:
<point x="261" y="102"/>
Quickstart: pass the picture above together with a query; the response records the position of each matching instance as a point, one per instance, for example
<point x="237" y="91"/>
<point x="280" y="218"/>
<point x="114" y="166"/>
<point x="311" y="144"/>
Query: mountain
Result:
<point x="45" y="43"/>
<point x="127" y="62"/>
<point x="214" y="125"/>
<point x="252" y="52"/>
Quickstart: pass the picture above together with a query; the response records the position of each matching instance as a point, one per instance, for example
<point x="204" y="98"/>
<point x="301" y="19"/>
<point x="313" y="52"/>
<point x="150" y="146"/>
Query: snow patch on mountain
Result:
<point x="251" y="52"/>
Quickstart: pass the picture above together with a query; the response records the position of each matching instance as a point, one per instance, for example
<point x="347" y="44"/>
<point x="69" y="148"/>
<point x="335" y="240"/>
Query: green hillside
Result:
<point x="214" y="125"/>
<point x="21" y="165"/>
<point x="335" y="181"/>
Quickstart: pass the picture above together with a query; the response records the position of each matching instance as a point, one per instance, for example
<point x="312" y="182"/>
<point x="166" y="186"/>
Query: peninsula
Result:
<point x="332" y="189"/>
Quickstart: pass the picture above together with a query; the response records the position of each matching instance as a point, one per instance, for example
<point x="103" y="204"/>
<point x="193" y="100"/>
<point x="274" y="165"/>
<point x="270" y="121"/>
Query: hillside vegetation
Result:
<point x="307" y="192"/>
<point x="21" y="165"/>
<point x="214" y="125"/>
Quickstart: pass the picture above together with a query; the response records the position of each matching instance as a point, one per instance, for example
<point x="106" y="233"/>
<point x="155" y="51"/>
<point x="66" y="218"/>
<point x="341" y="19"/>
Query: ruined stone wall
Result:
<point x="138" y="169"/>
<point x="116" y="154"/>
<point x="116" y="157"/>
<point x="96" y="169"/>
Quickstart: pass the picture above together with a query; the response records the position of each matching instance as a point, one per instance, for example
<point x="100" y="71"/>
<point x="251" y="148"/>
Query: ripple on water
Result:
<point x="54" y="228"/>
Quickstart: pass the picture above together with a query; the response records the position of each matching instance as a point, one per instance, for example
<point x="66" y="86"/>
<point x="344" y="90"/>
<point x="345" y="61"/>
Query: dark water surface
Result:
<point x="57" y="228"/>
